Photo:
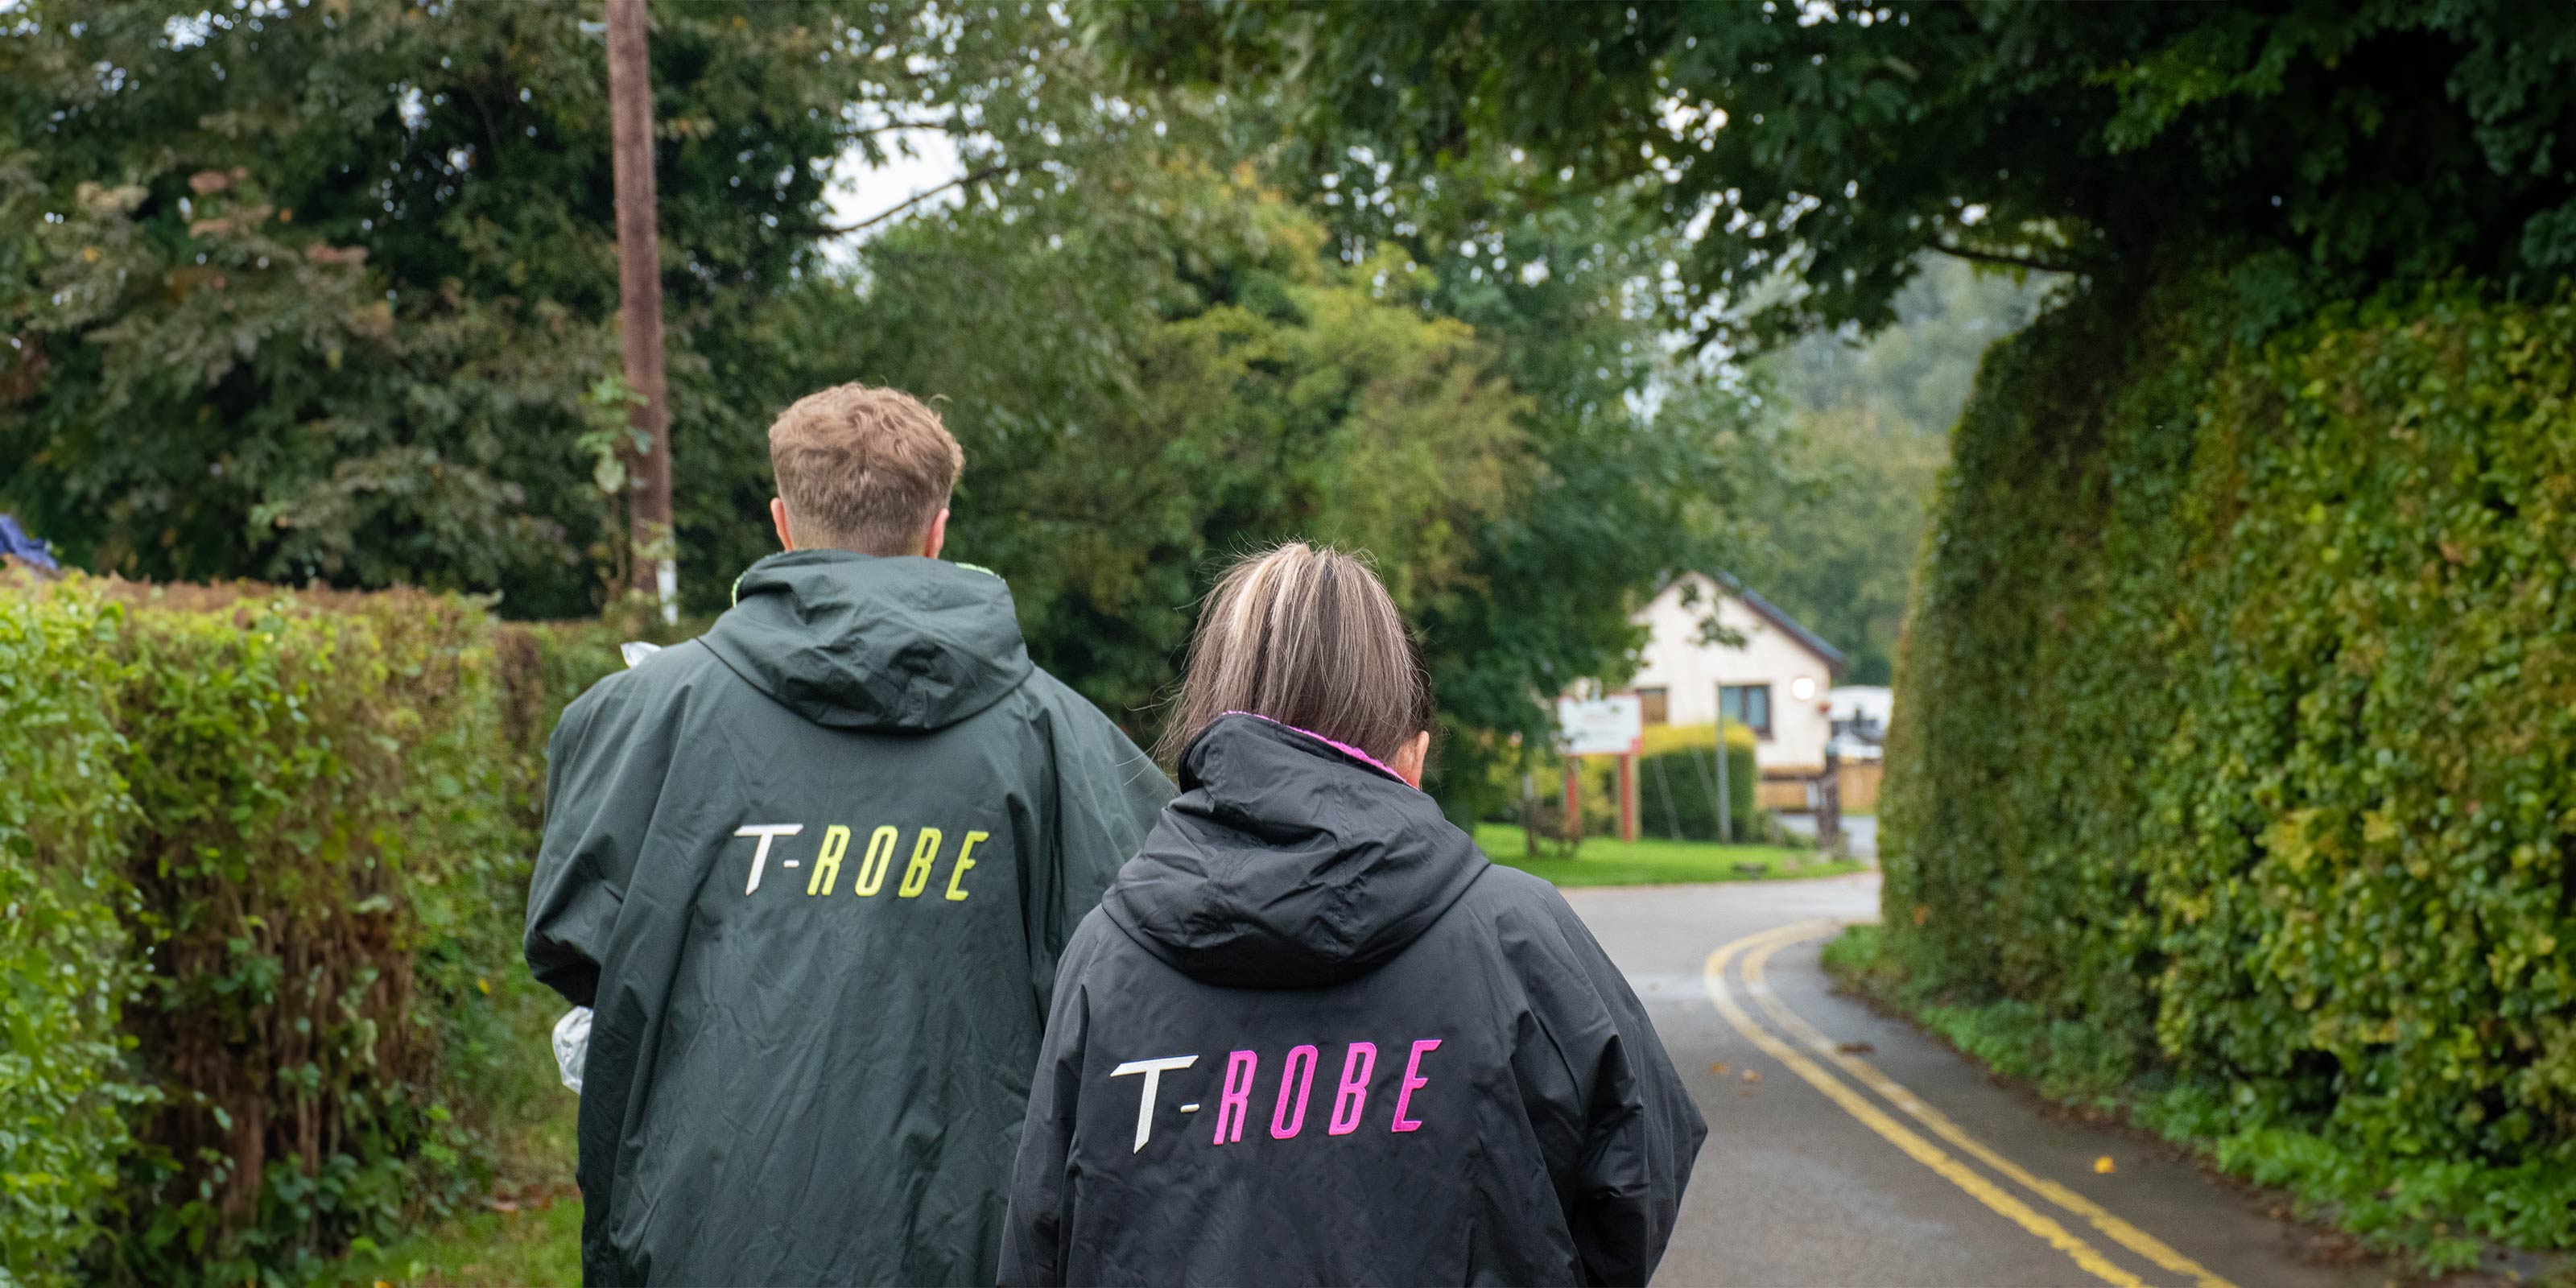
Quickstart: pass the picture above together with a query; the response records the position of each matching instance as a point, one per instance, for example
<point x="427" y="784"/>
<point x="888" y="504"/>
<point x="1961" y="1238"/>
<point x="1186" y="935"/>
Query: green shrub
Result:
<point x="264" y="857"/>
<point x="1677" y="783"/>
<point x="65" y="970"/>
<point x="2239" y="716"/>
<point x="2414" y="1206"/>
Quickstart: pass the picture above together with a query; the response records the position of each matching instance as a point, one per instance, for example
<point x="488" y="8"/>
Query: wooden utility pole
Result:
<point x="1628" y="798"/>
<point x="639" y="282"/>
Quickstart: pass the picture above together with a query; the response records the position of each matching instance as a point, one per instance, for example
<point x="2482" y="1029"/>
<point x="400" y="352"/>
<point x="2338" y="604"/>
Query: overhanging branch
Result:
<point x="963" y="180"/>
<point x="2034" y="263"/>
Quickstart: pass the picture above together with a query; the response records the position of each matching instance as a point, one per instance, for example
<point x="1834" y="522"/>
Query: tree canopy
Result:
<point x="328" y="293"/>
<point x="2334" y="144"/>
<point x="1217" y="367"/>
<point x="302" y="292"/>
<point x="329" y="290"/>
<point x="1864" y="431"/>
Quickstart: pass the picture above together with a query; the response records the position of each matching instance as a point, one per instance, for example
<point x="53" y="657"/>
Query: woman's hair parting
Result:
<point x="1307" y="636"/>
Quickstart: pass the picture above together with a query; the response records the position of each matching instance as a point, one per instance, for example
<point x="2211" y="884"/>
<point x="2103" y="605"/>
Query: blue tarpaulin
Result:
<point x="14" y="541"/>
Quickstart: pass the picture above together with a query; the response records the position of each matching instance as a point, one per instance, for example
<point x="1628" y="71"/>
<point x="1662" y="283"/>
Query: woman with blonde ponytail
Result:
<point x="1311" y="1035"/>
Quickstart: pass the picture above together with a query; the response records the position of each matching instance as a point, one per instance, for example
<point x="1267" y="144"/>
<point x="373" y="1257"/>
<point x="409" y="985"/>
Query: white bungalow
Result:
<point x="1774" y="680"/>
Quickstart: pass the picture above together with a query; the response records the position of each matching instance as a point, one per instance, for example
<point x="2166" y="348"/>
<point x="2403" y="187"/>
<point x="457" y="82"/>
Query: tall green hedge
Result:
<point x="2237" y="717"/>
<point x="266" y="856"/>
<point x="65" y="961"/>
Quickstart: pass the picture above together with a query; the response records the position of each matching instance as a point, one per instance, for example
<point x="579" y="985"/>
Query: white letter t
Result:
<point x="1153" y="1071"/>
<point x="767" y="832"/>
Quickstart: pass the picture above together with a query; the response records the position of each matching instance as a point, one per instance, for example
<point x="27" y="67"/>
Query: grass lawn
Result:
<point x="1603" y="861"/>
<point x="527" y="1232"/>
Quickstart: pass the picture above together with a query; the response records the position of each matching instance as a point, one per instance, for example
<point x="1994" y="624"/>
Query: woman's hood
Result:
<point x="1288" y="862"/>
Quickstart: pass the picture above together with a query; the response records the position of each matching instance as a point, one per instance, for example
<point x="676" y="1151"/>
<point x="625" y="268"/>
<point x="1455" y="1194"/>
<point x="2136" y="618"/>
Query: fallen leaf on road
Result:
<point x="1753" y="1075"/>
<point x="1855" y="1048"/>
<point x="2103" y="1166"/>
<point x="1717" y="1068"/>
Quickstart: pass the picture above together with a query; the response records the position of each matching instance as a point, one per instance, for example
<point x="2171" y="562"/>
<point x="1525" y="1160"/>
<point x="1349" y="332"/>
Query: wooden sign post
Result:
<point x="1628" y="797"/>
<point x="1573" y="799"/>
<point x="1611" y="726"/>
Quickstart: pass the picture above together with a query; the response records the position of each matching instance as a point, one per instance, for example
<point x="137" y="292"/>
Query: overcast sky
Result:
<point x="859" y="192"/>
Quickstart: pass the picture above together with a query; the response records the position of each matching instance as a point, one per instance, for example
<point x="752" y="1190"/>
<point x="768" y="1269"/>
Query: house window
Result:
<point x="1747" y="704"/>
<point x="1655" y="706"/>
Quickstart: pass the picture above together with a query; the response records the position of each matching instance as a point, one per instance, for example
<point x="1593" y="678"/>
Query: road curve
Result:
<point x="1860" y="1153"/>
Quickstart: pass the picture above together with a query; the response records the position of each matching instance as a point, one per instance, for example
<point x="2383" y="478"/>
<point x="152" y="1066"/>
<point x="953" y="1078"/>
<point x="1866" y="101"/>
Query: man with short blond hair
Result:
<point x="863" y="469"/>
<point x="813" y="870"/>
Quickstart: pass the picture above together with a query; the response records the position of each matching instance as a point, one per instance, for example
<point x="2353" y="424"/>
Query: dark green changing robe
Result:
<point x="813" y="871"/>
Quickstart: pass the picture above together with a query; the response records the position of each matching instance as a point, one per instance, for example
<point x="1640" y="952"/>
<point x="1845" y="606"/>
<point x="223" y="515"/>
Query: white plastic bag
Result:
<point x="572" y="1045"/>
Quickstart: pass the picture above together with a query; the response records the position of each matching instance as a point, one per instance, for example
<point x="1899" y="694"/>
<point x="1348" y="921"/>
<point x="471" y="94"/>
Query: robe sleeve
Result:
<point x="601" y="788"/>
<point x="1625" y="1129"/>
<point x="1033" y="1230"/>
<point x="1106" y="795"/>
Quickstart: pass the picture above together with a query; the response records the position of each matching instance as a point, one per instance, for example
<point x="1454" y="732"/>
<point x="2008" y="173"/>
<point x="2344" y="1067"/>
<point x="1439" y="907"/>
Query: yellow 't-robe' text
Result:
<point x="827" y="866"/>
<point x="916" y="875"/>
<point x="965" y="860"/>
<point x="872" y="869"/>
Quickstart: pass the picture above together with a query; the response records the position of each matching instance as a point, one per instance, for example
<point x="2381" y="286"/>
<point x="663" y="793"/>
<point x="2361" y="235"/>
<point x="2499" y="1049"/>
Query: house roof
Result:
<point x="1772" y="613"/>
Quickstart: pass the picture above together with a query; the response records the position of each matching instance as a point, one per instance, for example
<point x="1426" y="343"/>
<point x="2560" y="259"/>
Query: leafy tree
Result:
<point x="394" y="362"/>
<point x="2335" y="143"/>
<point x="329" y="290"/>
<point x="1117" y="450"/>
<point x="1915" y="375"/>
<point x="1837" y="549"/>
<point x="1205" y="371"/>
<point x="1865" y="426"/>
<point x="1639" y="465"/>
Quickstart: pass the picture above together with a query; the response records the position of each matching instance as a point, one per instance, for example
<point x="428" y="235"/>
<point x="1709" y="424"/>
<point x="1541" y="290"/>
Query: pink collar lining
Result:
<point x="1334" y="743"/>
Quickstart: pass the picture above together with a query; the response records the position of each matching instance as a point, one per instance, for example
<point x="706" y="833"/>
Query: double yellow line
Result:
<point x="1757" y="950"/>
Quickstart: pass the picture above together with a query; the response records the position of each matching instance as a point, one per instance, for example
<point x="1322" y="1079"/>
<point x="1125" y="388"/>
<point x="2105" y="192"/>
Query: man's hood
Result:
<point x="1288" y="861"/>
<point x="857" y="641"/>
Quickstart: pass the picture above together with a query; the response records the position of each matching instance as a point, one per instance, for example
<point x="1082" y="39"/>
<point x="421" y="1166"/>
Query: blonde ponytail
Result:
<point x="1307" y="636"/>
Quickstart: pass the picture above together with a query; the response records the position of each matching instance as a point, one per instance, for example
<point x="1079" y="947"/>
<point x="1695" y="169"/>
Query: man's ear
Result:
<point x="778" y="517"/>
<point x="1412" y="757"/>
<point x="938" y="535"/>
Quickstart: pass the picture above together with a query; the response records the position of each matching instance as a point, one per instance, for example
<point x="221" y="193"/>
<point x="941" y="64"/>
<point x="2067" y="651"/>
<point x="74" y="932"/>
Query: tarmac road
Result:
<point x="1863" y="1153"/>
<point x="1861" y="828"/>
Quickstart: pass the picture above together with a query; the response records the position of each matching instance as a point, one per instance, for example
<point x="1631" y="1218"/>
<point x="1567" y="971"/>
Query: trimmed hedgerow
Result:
<point x="2239" y="721"/>
<point x="1677" y="782"/>
<point x="1681" y="758"/>
<point x="313" y="791"/>
<point x="65" y="963"/>
<point x="265" y="857"/>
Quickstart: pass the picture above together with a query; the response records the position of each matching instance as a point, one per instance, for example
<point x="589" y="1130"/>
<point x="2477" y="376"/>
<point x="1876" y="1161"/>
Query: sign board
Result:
<point x="1611" y="726"/>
